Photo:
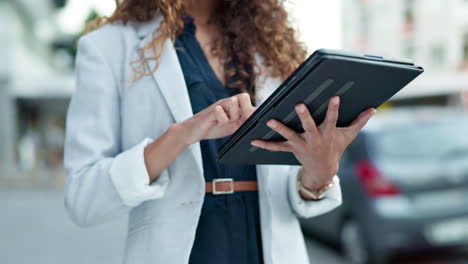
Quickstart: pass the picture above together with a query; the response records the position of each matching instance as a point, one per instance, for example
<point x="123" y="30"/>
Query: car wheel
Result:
<point x="352" y="243"/>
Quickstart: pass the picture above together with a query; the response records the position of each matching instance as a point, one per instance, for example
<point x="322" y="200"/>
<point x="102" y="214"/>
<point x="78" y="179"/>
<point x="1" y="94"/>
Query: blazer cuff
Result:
<point x="131" y="180"/>
<point x="305" y="208"/>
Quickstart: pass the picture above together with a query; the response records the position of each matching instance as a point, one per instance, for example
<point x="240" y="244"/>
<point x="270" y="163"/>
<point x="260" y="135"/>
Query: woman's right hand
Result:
<point x="219" y="120"/>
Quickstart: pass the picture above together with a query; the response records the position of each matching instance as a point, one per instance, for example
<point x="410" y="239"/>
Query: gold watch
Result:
<point x="312" y="194"/>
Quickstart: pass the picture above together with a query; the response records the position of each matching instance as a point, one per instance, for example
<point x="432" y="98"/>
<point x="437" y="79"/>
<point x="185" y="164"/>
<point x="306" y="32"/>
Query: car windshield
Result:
<point x="433" y="140"/>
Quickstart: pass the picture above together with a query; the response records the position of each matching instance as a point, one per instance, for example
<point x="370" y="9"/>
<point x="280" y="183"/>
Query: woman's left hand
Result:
<point x="318" y="149"/>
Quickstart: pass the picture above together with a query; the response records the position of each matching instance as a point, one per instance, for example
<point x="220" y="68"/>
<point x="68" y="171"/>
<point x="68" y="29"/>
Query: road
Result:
<point x="34" y="228"/>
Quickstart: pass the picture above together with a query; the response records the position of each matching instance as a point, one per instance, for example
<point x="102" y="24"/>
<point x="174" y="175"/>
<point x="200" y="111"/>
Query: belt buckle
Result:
<point x="215" y="192"/>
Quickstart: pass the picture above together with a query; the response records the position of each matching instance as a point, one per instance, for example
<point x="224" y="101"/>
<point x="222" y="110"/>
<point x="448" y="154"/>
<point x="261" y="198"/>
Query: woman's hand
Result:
<point x="218" y="120"/>
<point x="318" y="149"/>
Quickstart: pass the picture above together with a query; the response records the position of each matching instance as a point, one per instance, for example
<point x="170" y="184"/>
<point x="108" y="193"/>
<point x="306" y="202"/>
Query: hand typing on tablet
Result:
<point x="219" y="120"/>
<point x="318" y="149"/>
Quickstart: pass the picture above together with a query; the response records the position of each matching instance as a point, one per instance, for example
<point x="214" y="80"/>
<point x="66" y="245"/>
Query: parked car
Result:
<point x="405" y="187"/>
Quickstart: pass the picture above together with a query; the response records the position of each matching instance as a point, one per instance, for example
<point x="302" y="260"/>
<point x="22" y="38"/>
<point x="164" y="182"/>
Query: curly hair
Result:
<point x="248" y="27"/>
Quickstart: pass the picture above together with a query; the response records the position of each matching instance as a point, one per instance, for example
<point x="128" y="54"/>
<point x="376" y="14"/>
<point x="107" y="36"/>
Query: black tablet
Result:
<point x="361" y="81"/>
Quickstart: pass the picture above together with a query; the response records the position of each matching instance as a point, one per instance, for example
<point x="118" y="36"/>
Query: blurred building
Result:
<point x="434" y="33"/>
<point x="6" y="120"/>
<point x="36" y="81"/>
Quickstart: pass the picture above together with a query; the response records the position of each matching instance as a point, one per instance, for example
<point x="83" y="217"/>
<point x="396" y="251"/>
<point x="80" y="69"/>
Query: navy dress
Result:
<point x="228" y="231"/>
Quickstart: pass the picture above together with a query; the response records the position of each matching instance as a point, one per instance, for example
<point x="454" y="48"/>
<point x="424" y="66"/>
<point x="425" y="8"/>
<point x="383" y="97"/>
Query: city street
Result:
<point x="34" y="228"/>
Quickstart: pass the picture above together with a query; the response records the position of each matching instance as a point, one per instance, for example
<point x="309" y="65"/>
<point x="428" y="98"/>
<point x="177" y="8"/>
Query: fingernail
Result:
<point x="271" y="123"/>
<point x="336" y="100"/>
<point x="253" y="143"/>
<point x="300" y="108"/>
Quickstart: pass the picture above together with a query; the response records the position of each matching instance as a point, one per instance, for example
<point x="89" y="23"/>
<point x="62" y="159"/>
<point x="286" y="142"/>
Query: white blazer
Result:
<point x="112" y="118"/>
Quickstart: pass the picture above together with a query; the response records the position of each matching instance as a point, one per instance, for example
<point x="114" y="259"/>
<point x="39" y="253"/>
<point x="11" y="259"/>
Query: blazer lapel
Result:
<point x="170" y="80"/>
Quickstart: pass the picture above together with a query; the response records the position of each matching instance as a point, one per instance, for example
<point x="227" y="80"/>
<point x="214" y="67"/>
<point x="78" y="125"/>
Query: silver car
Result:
<point x="405" y="187"/>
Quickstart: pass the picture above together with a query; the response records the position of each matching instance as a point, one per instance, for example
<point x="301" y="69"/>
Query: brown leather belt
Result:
<point x="228" y="186"/>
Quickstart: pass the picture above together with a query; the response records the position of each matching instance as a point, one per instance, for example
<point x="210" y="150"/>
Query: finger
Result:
<point x="233" y="109"/>
<point x="220" y="115"/>
<point x="273" y="146"/>
<point x="357" y="125"/>
<point x="307" y="121"/>
<point x="362" y="119"/>
<point x="284" y="131"/>
<point x="332" y="113"/>
<point x="246" y="105"/>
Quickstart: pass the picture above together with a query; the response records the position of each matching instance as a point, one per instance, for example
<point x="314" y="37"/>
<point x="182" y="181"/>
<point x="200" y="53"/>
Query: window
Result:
<point x="409" y="51"/>
<point x="438" y="55"/>
<point x="465" y="47"/>
<point x="409" y="11"/>
<point x="408" y="14"/>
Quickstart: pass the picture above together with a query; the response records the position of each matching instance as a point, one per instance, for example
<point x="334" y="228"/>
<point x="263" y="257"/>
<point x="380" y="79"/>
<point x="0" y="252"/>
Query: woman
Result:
<point x="159" y="88"/>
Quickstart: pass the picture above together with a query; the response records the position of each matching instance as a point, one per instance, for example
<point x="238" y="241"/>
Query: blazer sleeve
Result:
<point x="306" y="208"/>
<point x="102" y="181"/>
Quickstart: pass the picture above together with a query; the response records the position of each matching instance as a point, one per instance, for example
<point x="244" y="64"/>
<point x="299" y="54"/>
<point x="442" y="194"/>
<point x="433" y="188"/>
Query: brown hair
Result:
<point x="248" y="27"/>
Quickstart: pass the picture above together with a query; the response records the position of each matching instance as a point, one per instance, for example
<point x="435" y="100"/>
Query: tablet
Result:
<point x="361" y="81"/>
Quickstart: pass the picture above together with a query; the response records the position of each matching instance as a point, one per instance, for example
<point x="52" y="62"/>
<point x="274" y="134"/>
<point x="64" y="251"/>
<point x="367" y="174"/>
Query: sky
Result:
<point x="71" y="18"/>
<point x="318" y="22"/>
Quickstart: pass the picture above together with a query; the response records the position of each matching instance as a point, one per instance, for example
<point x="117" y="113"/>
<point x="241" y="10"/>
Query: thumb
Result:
<point x="357" y="125"/>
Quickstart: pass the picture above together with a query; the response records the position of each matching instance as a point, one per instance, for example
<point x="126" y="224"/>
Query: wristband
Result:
<point x="312" y="194"/>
